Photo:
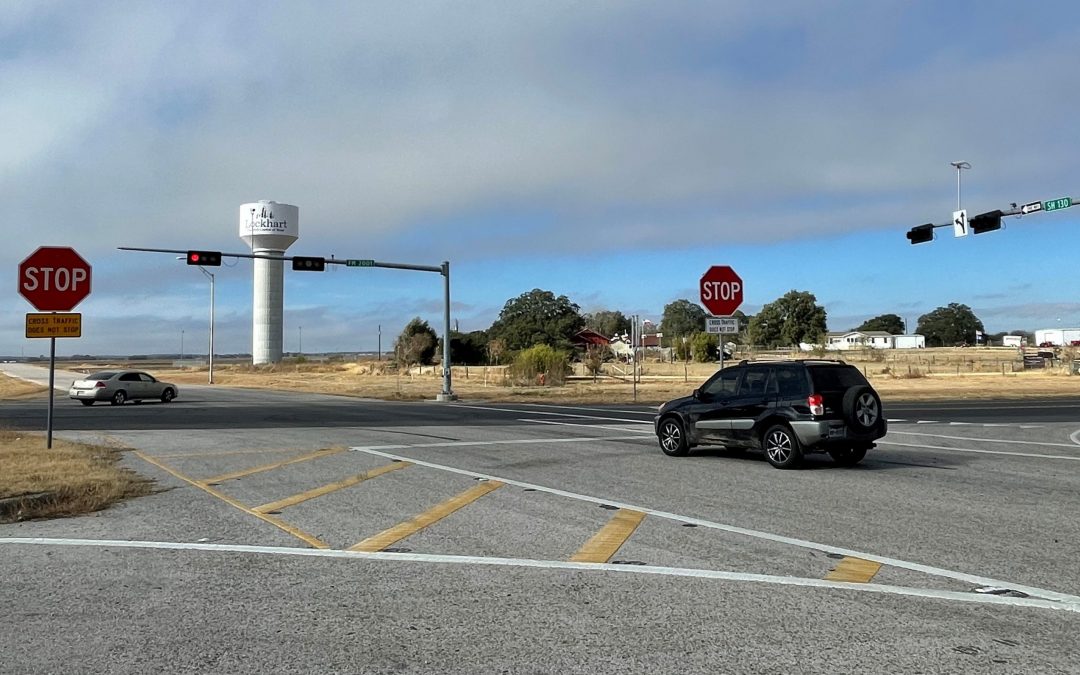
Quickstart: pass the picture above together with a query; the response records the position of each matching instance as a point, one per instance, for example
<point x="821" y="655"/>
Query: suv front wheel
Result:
<point x="781" y="447"/>
<point x="672" y="437"/>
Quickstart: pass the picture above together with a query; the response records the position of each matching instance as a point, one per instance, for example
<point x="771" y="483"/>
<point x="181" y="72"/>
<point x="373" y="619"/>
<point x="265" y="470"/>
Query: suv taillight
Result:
<point x="816" y="403"/>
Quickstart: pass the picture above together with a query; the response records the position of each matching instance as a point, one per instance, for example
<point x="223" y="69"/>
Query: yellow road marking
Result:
<point x="855" y="570"/>
<point x="332" y="487"/>
<point x="610" y="538"/>
<point x="276" y="522"/>
<point x="419" y="522"/>
<point x="325" y="452"/>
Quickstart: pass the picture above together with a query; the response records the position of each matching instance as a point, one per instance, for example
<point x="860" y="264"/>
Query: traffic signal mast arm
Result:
<point x="991" y="220"/>
<point x="328" y="261"/>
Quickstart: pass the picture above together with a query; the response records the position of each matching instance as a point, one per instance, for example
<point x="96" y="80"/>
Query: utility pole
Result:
<point x="380" y="342"/>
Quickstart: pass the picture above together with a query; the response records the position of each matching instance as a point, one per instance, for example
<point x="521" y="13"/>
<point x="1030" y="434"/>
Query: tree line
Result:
<point x="539" y="317"/>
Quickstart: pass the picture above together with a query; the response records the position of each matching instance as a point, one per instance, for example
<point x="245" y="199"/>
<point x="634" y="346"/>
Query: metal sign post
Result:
<point x="54" y="279"/>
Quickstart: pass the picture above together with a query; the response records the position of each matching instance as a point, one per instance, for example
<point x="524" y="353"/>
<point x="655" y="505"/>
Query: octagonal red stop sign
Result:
<point x="721" y="290"/>
<point x="54" y="278"/>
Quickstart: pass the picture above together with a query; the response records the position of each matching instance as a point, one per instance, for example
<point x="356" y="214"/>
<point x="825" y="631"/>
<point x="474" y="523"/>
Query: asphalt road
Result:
<point x="718" y="562"/>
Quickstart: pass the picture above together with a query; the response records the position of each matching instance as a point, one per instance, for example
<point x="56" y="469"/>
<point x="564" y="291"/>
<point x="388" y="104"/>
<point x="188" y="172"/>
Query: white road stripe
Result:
<point x="555" y="414"/>
<point x="1068" y="605"/>
<point x="981" y="440"/>
<point x="978" y="451"/>
<point x="780" y="539"/>
<point x="469" y="444"/>
<point x="646" y="411"/>
<point x="591" y="426"/>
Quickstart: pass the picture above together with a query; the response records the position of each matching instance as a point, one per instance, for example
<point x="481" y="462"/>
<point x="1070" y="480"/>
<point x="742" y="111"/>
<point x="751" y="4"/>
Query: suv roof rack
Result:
<point x="810" y="360"/>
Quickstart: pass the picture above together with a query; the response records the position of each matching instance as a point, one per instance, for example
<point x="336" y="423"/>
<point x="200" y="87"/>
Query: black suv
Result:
<point x="786" y="408"/>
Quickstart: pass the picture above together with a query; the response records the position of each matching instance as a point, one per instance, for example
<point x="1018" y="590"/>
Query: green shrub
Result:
<point x="540" y="364"/>
<point x="705" y="346"/>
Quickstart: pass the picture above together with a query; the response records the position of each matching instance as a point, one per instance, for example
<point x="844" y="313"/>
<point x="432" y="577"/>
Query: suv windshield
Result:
<point x="835" y="378"/>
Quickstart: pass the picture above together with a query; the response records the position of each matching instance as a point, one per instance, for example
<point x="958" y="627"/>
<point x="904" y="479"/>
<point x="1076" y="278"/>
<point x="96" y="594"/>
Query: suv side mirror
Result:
<point x="697" y="393"/>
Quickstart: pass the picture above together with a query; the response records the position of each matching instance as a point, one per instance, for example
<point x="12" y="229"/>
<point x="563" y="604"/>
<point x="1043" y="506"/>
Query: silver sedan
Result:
<point x="118" y="386"/>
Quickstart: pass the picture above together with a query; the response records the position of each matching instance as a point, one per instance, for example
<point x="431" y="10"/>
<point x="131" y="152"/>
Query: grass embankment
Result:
<point x="68" y="479"/>
<point x="65" y="480"/>
<point x="12" y="388"/>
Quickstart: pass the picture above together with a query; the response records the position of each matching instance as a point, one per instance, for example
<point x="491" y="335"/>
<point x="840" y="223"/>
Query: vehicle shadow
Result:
<point x="876" y="460"/>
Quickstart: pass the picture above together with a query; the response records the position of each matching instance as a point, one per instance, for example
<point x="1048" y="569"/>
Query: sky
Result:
<point x="610" y="152"/>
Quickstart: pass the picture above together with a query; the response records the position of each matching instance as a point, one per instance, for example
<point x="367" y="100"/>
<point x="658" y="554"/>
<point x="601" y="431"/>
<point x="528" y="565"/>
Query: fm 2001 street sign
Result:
<point x="721" y="290"/>
<point x="54" y="278"/>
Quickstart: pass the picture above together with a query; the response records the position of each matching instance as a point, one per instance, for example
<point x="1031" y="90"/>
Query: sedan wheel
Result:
<point x="119" y="398"/>
<point x="673" y="438"/>
<point x="167" y="395"/>
<point x="85" y="402"/>
<point x="782" y="447"/>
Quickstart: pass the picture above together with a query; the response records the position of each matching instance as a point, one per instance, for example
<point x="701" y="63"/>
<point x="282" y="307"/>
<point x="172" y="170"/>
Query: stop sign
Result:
<point x="721" y="290"/>
<point x="54" y="278"/>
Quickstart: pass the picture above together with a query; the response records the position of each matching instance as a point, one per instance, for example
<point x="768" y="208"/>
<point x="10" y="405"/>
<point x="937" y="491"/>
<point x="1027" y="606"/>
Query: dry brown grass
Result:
<point x="12" y="388"/>
<point x="933" y="374"/>
<point x="68" y="479"/>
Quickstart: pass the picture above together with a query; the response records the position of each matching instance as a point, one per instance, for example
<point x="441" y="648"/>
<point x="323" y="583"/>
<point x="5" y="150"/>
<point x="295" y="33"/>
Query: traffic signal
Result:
<point x="985" y="222"/>
<point x="308" y="264"/>
<point x="211" y="258"/>
<point x="921" y="234"/>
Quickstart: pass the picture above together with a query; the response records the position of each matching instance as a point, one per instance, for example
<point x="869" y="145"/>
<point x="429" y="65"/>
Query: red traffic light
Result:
<point x="308" y="264"/>
<point x="211" y="258"/>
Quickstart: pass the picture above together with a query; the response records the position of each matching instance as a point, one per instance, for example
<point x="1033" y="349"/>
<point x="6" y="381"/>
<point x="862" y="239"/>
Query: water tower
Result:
<point x="270" y="228"/>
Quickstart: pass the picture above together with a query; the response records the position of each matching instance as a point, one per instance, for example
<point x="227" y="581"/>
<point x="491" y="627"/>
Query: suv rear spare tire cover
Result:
<point x="862" y="408"/>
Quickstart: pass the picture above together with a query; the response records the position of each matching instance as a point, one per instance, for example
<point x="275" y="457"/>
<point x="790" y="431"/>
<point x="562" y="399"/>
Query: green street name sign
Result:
<point x="360" y="263"/>
<point x="1055" y="204"/>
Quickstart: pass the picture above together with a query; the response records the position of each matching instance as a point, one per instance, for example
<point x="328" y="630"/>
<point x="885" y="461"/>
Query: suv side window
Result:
<point x="836" y="378"/>
<point x="724" y="385"/>
<point x="791" y="383"/>
<point x="755" y="381"/>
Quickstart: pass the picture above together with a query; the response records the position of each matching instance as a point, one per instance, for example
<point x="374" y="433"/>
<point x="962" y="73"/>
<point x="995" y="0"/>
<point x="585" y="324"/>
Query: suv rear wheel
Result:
<point x="781" y="447"/>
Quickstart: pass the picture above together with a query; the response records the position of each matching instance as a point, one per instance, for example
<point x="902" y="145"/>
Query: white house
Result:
<point x="872" y="339"/>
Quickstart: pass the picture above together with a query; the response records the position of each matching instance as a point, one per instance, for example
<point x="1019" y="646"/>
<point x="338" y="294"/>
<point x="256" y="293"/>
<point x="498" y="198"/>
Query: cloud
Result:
<point x="388" y="122"/>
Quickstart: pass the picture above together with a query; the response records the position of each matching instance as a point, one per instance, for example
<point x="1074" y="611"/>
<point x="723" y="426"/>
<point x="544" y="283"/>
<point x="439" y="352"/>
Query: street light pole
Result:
<point x="960" y="166"/>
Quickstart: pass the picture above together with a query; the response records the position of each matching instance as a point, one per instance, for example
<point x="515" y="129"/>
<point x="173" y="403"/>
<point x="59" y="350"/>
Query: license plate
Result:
<point x="836" y="432"/>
